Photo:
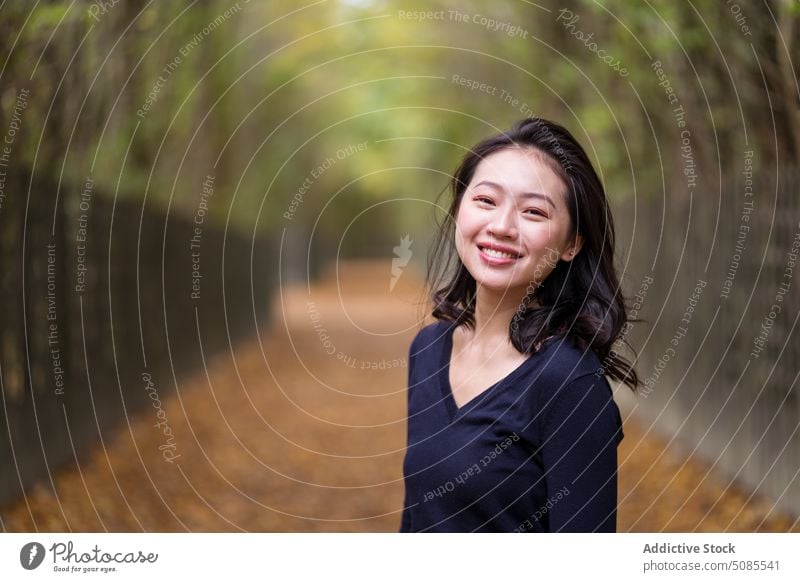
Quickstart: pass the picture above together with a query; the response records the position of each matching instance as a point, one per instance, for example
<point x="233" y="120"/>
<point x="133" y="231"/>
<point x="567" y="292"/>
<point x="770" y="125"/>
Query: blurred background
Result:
<point x="215" y="219"/>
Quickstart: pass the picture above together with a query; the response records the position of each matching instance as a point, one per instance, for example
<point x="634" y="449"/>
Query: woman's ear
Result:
<point x="573" y="249"/>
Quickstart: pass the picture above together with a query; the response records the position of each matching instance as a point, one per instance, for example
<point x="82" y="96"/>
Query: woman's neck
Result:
<point x="493" y="314"/>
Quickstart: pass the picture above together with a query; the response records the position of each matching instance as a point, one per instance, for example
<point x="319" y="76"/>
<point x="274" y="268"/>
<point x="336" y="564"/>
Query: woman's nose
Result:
<point x="503" y="222"/>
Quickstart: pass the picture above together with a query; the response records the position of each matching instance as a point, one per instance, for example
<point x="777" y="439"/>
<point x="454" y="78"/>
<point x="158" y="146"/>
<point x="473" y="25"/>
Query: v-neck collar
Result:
<point x="453" y="409"/>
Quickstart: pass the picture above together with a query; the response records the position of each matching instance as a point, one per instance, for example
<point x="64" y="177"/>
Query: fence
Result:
<point x="718" y="358"/>
<point x="101" y="301"/>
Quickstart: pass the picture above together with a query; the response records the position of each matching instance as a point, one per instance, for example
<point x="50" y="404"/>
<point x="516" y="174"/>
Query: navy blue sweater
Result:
<point x="535" y="452"/>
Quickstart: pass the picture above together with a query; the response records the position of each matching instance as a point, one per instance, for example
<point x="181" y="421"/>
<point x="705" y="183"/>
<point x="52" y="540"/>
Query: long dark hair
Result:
<point x="581" y="299"/>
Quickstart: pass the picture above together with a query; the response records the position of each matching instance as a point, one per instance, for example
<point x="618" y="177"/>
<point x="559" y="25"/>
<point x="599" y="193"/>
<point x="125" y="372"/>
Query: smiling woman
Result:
<point x="511" y="422"/>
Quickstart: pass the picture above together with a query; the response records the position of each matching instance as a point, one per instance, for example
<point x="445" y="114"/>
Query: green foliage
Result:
<point x="272" y="89"/>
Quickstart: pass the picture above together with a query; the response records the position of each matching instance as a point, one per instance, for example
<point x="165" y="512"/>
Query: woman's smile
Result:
<point x="494" y="255"/>
<point x="493" y="258"/>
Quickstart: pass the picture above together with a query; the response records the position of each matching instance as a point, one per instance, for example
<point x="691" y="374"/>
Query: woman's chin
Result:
<point x="500" y="287"/>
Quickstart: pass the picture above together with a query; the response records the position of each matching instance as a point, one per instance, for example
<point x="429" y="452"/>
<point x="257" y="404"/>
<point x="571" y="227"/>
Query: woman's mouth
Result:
<point x="495" y="257"/>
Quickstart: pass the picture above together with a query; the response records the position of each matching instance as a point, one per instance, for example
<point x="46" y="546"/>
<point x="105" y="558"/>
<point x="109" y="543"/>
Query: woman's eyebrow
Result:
<point x="497" y="186"/>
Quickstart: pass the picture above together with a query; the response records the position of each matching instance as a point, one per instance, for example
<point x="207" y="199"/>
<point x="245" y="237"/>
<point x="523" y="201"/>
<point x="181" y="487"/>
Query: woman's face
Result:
<point x="512" y="224"/>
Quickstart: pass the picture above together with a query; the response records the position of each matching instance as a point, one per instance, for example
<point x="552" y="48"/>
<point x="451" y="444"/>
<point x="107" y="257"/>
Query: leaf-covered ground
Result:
<point x="304" y="431"/>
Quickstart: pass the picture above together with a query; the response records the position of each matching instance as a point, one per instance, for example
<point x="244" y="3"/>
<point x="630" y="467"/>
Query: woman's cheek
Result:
<point x="538" y="238"/>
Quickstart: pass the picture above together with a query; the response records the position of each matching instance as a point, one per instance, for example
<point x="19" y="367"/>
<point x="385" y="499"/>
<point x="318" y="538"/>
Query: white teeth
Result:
<point x="498" y="254"/>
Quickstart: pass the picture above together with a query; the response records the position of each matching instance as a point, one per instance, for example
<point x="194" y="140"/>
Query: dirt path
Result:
<point x="305" y="430"/>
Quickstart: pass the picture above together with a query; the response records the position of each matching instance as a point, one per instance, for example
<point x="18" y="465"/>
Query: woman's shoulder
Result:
<point x="565" y="386"/>
<point x="573" y="384"/>
<point x="563" y="361"/>
<point x="428" y="336"/>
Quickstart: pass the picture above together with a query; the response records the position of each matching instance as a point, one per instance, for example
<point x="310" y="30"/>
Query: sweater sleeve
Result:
<point x="405" y="520"/>
<point x="581" y="429"/>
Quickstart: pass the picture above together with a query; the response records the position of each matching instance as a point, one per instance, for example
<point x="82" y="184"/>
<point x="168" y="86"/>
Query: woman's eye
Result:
<point x="483" y="199"/>
<point x="536" y="212"/>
